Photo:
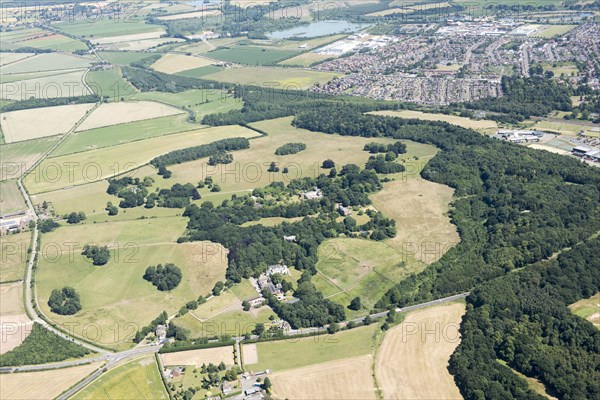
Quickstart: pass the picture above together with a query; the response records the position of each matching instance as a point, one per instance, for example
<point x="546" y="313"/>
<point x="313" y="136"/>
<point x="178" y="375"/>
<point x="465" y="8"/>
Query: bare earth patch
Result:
<point x="412" y="362"/>
<point x="42" y="385"/>
<point x="342" y="379"/>
<point x="119" y="113"/>
<point x="419" y="208"/>
<point x="214" y="355"/>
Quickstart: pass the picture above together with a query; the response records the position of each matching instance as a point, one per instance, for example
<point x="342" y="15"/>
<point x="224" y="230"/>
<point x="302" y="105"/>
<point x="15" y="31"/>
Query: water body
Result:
<point x="316" y="29"/>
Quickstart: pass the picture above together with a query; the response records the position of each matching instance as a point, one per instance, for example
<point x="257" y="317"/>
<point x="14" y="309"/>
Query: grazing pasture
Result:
<point x="43" y="385"/>
<point x="68" y="84"/>
<point x="280" y="78"/>
<point x="8" y="58"/>
<point x="285" y="355"/>
<point x="478" y="125"/>
<point x="122" y="57"/>
<point x="123" y="133"/>
<point x="138" y="379"/>
<point x="91" y="166"/>
<point x="214" y="355"/>
<point x="36" y="123"/>
<point x="109" y="84"/>
<point x="411" y="357"/>
<point x="130" y="301"/>
<point x="15" y="326"/>
<point x="306" y="59"/>
<point x="55" y="42"/>
<point x="13" y="254"/>
<point x="20" y="156"/>
<point x="230" y="321"/>
<point x="109" y="114"/>
<point x="47" y="62"/>
<point x="589" y="309"/>
<point x="11" y="199"/>
<point x="172" y="63"/>
<point x="201" y="72"/>
<point x="348" y="378"/>
<point x="251" y="55"/>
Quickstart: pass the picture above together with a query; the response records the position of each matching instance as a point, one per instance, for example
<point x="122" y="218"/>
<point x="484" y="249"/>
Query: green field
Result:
<point x="235" y="322"/>
<point x="555" y="30"/>
<point x="129" y="302"/>
<point x="136" y="379"/>
<point x="105" y="27"/>
<point x="47" y="62"/>
<point x="54" y="42"/>
<point x="589" y="309"/>
<point x="566" y="68"/>
<point x="13" y="253"/>
<point x="94" y="165"/>
<point x="202" y="102"/>
<point x="11" y="199"/>
<point x="17" y="157"/>
<point x="349" y="268"/>
<point x="109" y="84"/>
<point x="123" y="133"/>
<point x="280" y="78"/>
<point x="201" y="71"/>
<point x="251" y="55"/>
<point x="122" y="57"/>
<point x="286" y="354"/>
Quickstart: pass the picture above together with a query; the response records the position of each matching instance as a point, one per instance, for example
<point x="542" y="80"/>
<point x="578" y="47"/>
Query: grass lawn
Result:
<point x="280" y="78"/>
<point x="251" y="55"/>
<point x="123" y="133"/>
<point x="116" y="295"/>
<point x="287" y="354"/>
<point x="14" y="256"/>
<point x="17" y="157"/>
<point x="90" y="166"/>
<point x="11" y="199"/>
<point x="122" y="57"/>
<point x="104" y="27"/>
<point x="109" y="83"/>
<point x="135" y="379"/>
<point x="272" y="221"/>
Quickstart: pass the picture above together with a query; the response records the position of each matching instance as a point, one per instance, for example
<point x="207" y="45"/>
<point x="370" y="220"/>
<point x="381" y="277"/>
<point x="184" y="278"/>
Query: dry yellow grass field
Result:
<point x="482" y="124"/>
<point x="214" y="355"/>
<point x="250" y="354"/>
<point x="419" y="208"/>
<point x="349" y="378"/>
<point x="41" y="122"/>
<point x="173" y="63"/>
<point x="15" y="326"/>
<point x="129" y="38"/>
<point x="119" y="113"/>
<point x="42" y="385"/>
<point x="68" y="84"/>
<point x="412" y="362"/>
<point x="195" y="14"/>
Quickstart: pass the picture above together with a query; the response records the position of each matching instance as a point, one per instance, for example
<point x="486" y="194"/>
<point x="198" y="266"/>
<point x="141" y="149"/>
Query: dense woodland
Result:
<point x="40" y="347"/>
<point x="522" y="319"/>
<point x="146" y="80"/>
<point x="202" y="151"/>
<point x="514" y="206"/>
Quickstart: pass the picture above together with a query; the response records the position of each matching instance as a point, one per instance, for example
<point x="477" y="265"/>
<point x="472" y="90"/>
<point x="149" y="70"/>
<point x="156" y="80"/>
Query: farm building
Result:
<point x="11" y="223"/>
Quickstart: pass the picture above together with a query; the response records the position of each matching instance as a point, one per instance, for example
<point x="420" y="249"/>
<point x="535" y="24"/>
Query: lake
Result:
<point x="316" y="29"/>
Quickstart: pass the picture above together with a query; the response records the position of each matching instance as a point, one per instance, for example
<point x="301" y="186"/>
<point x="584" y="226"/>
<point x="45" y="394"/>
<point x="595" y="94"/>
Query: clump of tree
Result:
<point x="290" y="148"/>
<point x="327" y="164"/>
<point x="220" y="157"/>
<point x="132" y="191"/>
<point x="47" y="102"/>
<point x="165" y="277"/>
<point x="64" y="301"/>
<point x="75" y="217"/>
<point x="396" y="148"/>
<point x="98" y="254"/>
<point x="111" y="209"/>
<point x="48" y="225"/>
<point x="202" y="151"/>
<point x="383" y="165"/>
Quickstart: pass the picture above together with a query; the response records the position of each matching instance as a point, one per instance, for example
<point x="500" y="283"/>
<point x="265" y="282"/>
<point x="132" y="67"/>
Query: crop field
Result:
<point x="8" y="58"/>
<point x="306" y="59"/>
<point x="121" y="57"/>
<point x="47" y="87"/>
<point x="551" y="31"/>
<point x="104" y="27"/>
<point x="342" y="379"/>
<point x="33" y="75"/>
<point x="211" y="44"/>
<point x="109" y="84"/>
<point x="281" y="78"/>
<point x="44" y="384"/>
<point x="202" y="102"/>
<point x="115" y="42"/>
<point x="54" y="41"/>
<point x="214" y="355"/>
<point x="136" y="379"/>
<point x="172" y="63"/>
<point x="420" y="209"/>
<point x="426" y="376"/>
<point x="47" y="62"/>
<point x="589" y="309"/>
<point x="15" y="326"/>
<point x="13" y="254"/>
<point x="349" y="268"/>
<point x="284" y="355"/>
<point x="251" y="165"/>
<point x="131" y="302"/>
<point x="138" y="45"/>
<point x="195" y="14"/>
<point x="201" y="72"/>
<point x="11" y="199"/>
<point x="252" y="55"/>
<point x="90" y="166"/>
<point x="36" y="123"/>
<point x="109" y="114"/>
<point x="123" y="133"/>
<point x="18" y="157"/>
<point x="479" y="125"/>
